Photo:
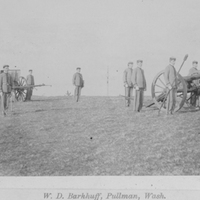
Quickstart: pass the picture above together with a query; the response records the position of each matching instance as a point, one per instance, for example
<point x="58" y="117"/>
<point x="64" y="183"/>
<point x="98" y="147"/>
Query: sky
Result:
<point x="54" y="37"/>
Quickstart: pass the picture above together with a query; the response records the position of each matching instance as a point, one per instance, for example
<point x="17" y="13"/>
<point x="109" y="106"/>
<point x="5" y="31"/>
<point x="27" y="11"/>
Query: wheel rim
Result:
<point x="159" y="91"/>
<point x="20" y="94"/>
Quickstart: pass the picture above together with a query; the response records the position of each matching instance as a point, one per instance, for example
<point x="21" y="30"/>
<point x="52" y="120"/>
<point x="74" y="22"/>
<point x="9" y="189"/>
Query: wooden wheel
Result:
<point x="159" y="91"/>
<point x="20" y="94"/>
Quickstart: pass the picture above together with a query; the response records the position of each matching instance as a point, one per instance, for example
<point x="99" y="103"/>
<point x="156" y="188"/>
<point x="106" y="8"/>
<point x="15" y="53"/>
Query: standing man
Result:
<point x="128" y="84"/>
<point x="195" y="83"/>
<point x="170" y="76"/>
<point x="139" y="83"/>
<point x="78" y="82"/>
<point x="6" y="84"/>
<point x="29" y="81"/>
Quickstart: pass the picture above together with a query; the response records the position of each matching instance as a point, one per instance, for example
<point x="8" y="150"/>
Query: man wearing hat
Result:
<point x="170" y="76"/>
<point x="195" y="83"/>
<point x="29" y="82"/>
<point x="128" y="84"/>
<point x="6" y="84"/>
<point x="78" y="82"/>
<point x="139" y="83"/>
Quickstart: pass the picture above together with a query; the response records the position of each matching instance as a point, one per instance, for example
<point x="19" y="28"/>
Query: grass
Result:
<point x="55" y="136"/>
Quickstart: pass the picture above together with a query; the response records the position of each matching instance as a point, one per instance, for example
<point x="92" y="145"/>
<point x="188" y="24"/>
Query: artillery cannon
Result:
<point x="20" y="85"/>
<point x="185" y="90"/>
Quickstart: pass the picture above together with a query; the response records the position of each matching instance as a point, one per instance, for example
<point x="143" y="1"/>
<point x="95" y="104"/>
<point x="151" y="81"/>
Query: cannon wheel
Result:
<point x="159" y="87"/>
<point x="20" y="94"/>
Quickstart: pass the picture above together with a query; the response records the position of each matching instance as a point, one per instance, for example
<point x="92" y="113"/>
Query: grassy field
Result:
<point x="55" y="136"/>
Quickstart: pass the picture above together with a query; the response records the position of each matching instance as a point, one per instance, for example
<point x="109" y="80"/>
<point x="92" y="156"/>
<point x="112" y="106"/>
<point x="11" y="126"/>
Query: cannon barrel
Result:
<point x="191" y="78"/>
<point x="28" y="86"/>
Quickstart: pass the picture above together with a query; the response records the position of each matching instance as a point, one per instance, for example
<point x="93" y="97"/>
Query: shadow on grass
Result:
<point x="53" y="99"/>
<point x="188" y="110"/>
<point x="44" y="110"/>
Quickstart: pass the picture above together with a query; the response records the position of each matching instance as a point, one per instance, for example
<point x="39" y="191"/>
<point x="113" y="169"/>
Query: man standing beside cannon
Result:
<point x="128" y="84"/>
<point x="78" y="82"/>
<point x="170" y="76"/>
<point x="30" y="82"/>
<point x="139" y="83"/>
<point x="195" y="83"/>
<point x="6" y="84"/>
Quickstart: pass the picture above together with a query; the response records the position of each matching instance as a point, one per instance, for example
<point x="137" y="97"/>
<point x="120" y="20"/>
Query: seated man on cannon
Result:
<point x="195" y="84"/>
<point x="6" y="84"/>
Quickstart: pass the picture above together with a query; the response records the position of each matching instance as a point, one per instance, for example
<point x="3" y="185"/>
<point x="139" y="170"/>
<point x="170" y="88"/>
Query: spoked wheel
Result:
<point x="20" y="94"/>
<point x="159" y="91"/>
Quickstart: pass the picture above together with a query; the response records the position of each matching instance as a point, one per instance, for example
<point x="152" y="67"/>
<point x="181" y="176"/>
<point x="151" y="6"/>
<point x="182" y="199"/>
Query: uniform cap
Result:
<point x="30" y="70"/>
<point x="5" y="66"/>
<point x="78" y="68"/>
<point x="172" y="58"/>
<point x="130" y="63"/>
<point x="139" y="61"/>
<point x="195" y="62"/>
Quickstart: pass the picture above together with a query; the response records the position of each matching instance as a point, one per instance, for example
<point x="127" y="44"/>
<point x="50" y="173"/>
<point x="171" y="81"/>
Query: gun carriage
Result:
<point x="20" y="85"/>
<point x="186" y="90"/>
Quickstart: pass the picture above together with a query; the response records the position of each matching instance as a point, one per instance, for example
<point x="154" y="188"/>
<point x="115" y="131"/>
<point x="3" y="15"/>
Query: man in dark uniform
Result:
<point x="29" y="81"/>
<point x="195" y="83"/>
<point x="6" y="84"/>
<point x="139" y="83"/>
<point x="78" y="82"/>
<point x="128" y="84"/>
<point x="171" y="81"/>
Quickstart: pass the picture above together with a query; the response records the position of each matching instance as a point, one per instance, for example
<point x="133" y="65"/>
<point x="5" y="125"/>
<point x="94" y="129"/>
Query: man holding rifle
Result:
<point x="6" y="84"/>
<point x="170" y="76"/>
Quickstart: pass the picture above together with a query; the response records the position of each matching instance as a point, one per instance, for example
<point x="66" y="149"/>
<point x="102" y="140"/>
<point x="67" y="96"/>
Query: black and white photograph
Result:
<point x="104" y="88"/>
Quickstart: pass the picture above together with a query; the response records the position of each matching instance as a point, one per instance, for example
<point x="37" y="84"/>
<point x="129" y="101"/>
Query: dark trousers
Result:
<point x="128" y="93"/>
<point x="5" y="101"/>
<point x="194" y="98"/>
<point x="139" y="98"/>
<point x="77" y="93"/>
<point x="171" y="101"/>
<point x="29" y="93"/>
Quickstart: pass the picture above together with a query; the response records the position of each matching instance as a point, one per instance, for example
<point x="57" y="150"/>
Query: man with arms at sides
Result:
<point x="128" y="84"/>
<point x="170" y="76"/>
<point x="30" y="81"/>
<point x="6" y="84"/>
<point x="78" y="82"/>
<point x="139" y="83"/>
<point x="195" y="83"/>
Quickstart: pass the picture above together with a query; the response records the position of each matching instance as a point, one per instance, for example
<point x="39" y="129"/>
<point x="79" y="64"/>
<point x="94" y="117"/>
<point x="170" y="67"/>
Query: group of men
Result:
<point x="135" y="79"/>
<point x="6" y="85"/>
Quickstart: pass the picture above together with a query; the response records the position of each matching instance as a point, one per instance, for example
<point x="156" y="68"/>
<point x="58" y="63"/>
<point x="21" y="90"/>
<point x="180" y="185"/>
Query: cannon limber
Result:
<point x="20" y="85"/>
<point x="185" y="91"/>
